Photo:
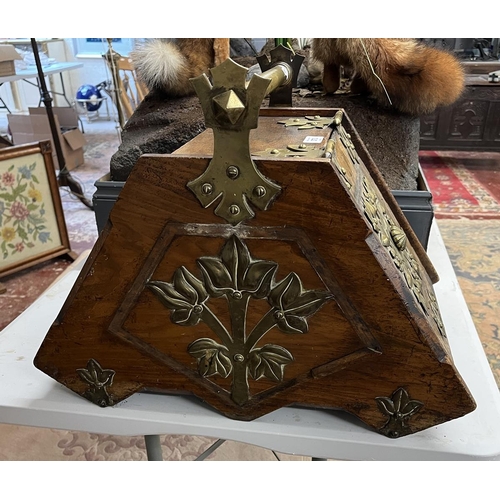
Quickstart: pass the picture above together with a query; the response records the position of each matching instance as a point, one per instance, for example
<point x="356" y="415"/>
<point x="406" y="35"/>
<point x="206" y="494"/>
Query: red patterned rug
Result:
<point x="465" y="189"/>
<point x="463" y="184"/>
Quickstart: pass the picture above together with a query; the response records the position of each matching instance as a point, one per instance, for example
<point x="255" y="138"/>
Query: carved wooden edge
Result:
<point x="89" y="263"/>
<point x="417" y="317"/>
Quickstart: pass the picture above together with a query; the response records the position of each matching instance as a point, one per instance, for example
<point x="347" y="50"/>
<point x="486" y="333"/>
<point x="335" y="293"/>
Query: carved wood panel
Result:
<point x="470" y="124"/>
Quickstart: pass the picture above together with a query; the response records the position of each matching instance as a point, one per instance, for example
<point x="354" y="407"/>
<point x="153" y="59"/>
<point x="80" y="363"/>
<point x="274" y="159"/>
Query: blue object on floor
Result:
<point x="89" y="93"/>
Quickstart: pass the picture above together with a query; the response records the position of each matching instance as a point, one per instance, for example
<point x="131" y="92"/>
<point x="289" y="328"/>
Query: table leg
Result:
<point x="107" y="108"/>
<point x="153" y="448"/>
<point x="15" y="96"/>
<point x="210" y="450"/>
<point x="3" y="104"/>
<point x="51" y="86"/>
<point x="64" y="90"/>
<point x="154" y="452"/>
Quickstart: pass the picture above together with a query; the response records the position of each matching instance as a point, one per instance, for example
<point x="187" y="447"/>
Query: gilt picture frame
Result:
<point x="32" y="225"/>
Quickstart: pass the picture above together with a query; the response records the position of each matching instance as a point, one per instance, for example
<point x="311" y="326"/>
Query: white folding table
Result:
<point x="29" y="397"/>
<point x="27" y="74"/>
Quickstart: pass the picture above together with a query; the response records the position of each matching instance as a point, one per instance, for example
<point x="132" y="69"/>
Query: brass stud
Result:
<point x="239" y="358"/>
<point x="259" y="191"/>
<point x="237" y="295"/>
<point x="234" y="209"/>
<point x="385" y="240"/>
<point x="207" y="188"/>
<point x="232" y="172"/>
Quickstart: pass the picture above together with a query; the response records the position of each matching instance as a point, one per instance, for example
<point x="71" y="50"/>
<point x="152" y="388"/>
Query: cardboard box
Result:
<point x="5" y="142"/>
<point x="8" y="54"/>
<point x="35" y="127"/>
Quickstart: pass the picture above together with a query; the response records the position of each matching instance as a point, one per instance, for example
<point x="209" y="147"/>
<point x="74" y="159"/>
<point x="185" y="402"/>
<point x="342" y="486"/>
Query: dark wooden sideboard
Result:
<point x="472" y="123"/>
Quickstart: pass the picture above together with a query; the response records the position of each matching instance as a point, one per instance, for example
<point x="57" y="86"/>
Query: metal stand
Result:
<point x="112" y="57"/>
<point x="64" y="178"/>
<point x="3" y="104"/>
<point x="210" y="450"/>
<point x="154" y="452"/>
<point x="93" y="114"/>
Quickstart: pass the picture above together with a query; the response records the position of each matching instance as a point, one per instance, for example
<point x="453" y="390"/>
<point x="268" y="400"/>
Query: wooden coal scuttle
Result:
<point x="264" y="264"/>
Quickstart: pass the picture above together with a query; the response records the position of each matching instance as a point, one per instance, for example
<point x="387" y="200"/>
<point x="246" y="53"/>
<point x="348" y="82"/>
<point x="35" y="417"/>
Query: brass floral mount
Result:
<point x="345" y="138"/>
<point x="293" y="151"/>
<point x="308" y="122"/>
<point x="238" y="277"/>
<point x="98" y="380"/>
<point x="399" y="408"/>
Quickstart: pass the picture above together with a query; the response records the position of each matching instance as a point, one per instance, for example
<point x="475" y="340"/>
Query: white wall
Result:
<point x="94" y="71"/>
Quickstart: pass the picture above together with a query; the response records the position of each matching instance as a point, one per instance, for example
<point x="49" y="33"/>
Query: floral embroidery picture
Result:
<point x="30" y="228"/>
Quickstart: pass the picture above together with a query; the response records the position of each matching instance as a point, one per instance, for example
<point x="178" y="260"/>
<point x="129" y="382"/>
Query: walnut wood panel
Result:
<point x="370" y="339"/>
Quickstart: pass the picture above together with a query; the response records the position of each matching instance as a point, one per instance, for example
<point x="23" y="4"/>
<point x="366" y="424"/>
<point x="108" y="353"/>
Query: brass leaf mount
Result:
<point x="293" y="151"/>
<point x="308" y="122"/>
<point x="399" y="408"/>
<point x="239" y="278"/>
<point x="98" y="380"/>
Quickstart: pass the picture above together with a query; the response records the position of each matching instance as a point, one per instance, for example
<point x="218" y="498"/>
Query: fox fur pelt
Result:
<point x="413" y="77"/>
<point x="168" y="64"/>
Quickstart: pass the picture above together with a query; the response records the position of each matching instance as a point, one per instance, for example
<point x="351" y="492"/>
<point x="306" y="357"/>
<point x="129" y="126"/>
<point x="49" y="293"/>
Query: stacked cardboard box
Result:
<point x="35" y="127"/>
<point x="8" y="55"/>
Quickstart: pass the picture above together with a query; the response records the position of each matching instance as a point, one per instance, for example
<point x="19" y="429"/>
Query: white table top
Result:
<point x="29" y="397"/>
<point x="32" y="72"/>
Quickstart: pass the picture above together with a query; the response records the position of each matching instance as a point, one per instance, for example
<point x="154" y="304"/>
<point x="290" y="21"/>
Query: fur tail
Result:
<point x="161" y="66"/>
<point x="415" y="77"/>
